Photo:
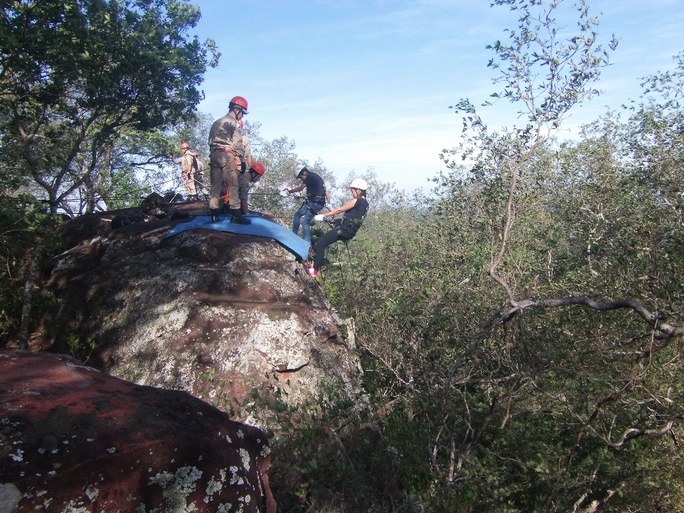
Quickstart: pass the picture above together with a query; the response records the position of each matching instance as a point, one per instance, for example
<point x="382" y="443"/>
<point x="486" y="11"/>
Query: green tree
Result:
<point x="282" y="165"/>
<point x="545" y="72"/>
<point x="77" y="76"/>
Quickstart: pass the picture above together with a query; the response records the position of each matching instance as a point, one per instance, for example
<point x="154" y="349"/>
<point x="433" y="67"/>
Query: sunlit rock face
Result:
<point x="233" y="320"/>
<point x="73" y="439"/>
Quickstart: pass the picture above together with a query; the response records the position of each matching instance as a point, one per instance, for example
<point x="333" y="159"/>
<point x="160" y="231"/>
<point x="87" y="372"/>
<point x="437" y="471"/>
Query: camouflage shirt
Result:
<point x="227" y="133"/>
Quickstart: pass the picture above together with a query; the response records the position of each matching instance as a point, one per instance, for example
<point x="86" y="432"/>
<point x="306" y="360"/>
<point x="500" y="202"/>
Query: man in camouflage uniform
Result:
<point x="226" y="156"/>
<point x="185" y="160"/>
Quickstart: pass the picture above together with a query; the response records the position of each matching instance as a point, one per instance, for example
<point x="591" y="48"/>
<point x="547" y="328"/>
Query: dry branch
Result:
<point x="655" y="321"/>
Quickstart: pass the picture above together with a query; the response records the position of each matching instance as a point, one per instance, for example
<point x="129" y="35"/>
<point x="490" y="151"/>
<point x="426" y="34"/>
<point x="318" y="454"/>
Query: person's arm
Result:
<point x="296" y="189"/>
<point x="347" y="206"/>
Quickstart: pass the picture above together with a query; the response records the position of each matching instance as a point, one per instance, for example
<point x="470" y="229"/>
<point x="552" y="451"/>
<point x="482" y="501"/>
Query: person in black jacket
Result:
<point x="354" y="212"/>
<point x="316" y="197"/>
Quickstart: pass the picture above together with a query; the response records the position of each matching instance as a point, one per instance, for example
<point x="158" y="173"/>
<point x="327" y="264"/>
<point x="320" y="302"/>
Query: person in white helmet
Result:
<point x="354" y="212"/>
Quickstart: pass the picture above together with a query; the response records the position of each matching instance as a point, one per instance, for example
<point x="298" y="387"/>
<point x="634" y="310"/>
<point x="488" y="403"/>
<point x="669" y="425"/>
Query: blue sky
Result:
<point x="365" y="84"/>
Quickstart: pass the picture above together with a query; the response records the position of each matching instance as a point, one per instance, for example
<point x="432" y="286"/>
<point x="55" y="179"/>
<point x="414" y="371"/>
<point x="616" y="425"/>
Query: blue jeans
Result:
<point x="304" y="216"/>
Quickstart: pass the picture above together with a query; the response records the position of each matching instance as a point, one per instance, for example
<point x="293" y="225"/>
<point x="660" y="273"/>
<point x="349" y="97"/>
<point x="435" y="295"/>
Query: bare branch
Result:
<point x="631" y="433"/>
<point x="655" y="321"/>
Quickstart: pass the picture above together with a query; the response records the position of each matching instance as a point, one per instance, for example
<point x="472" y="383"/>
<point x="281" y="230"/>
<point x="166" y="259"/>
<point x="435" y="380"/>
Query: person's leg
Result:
<point x="237" y="216"/>
<point x="306" y="225"/>
<point x="219" y="170"/>
<point x="222" y="167"/>
<point x="319" y="248"/>
<point x="189" y="185"/>
<point x="234" y="201"/>
<point x="311" y="211"/>
<point x="297" y="218"/>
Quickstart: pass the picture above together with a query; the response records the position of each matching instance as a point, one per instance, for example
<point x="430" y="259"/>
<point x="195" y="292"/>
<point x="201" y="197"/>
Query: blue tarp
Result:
<point x="259" y="226"/>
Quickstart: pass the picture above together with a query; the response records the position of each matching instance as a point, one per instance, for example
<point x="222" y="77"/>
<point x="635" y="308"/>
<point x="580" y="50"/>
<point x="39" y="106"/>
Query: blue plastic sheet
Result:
<point x="259" y="226"/>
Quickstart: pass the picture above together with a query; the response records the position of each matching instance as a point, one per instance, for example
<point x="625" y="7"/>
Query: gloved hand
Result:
<point x="319" y="218"/>
<point x="284" y="193"/>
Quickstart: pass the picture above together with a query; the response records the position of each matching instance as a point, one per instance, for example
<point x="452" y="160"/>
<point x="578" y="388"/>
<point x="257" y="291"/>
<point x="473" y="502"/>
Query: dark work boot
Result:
<point x="239" y="219"/>
<point x="215" y="215"/>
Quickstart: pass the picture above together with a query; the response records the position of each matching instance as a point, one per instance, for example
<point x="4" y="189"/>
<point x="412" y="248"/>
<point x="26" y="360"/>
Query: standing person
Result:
<point x="187" y="172"/>
<point x="354" y="212"/>
<point x="226" y="154"/>
<point x="315" y="200"/>
<point x="200" y="184"/>
<point x="239" y="196"/>
<point x="237" y="193"/>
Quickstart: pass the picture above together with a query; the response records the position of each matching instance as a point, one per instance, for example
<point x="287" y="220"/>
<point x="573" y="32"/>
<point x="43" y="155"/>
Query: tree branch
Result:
<point x="655" y="321"/>
<point x="631" y="433"/>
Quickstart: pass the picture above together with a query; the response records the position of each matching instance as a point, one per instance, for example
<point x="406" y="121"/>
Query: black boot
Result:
<point x="239" y="219"/>
<point x="215" y="215"/>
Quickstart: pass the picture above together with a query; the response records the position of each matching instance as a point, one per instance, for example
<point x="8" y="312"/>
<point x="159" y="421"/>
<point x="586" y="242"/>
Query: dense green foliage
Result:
<point x="519" y="327"/>
<point x="28" y="237"/>
<point x="560" y="407"/>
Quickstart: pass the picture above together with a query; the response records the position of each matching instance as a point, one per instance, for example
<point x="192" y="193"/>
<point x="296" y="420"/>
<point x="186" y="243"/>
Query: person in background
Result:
<point x="200" y="184"/>
<point x="239" y="196"/>
<point x="316" y="197"/>
<point x="354" y="212"/>
<point x="185" y="161"/>
<point x="226" y="154"/>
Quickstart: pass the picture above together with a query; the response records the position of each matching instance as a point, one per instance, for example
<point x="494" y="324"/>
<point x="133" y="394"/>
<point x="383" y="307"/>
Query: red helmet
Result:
<point x="239" y="101"/>
<point x="258" y="168"/>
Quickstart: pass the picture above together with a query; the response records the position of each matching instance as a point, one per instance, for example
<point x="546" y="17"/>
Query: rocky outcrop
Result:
<point x="230" y="319"/>
<point x="74" y="439"/>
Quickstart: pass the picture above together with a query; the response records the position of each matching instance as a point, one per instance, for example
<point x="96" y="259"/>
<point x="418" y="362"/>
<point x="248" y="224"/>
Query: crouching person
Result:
<point x="238" y="200"/>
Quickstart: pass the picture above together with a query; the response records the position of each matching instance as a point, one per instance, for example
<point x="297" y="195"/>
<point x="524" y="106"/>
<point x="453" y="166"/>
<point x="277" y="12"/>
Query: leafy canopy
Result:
<point x="76" y="74"/>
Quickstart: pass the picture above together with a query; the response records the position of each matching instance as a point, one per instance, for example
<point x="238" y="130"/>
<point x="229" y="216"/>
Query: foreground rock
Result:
<point x="230" y="319"/>
<point x="75" y="439"/>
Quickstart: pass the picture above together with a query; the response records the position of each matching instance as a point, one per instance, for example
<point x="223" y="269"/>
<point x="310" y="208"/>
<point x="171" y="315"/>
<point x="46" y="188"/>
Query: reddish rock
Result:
<point x="75" y="439"/>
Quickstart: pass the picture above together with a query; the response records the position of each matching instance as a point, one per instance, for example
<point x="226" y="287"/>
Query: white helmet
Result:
<point x="359" y="183"/>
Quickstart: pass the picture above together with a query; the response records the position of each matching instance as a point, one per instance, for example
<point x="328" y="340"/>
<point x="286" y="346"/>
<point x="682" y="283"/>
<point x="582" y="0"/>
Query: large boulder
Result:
<point x="75" y="439"/>
<point x="231" y="319"/>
